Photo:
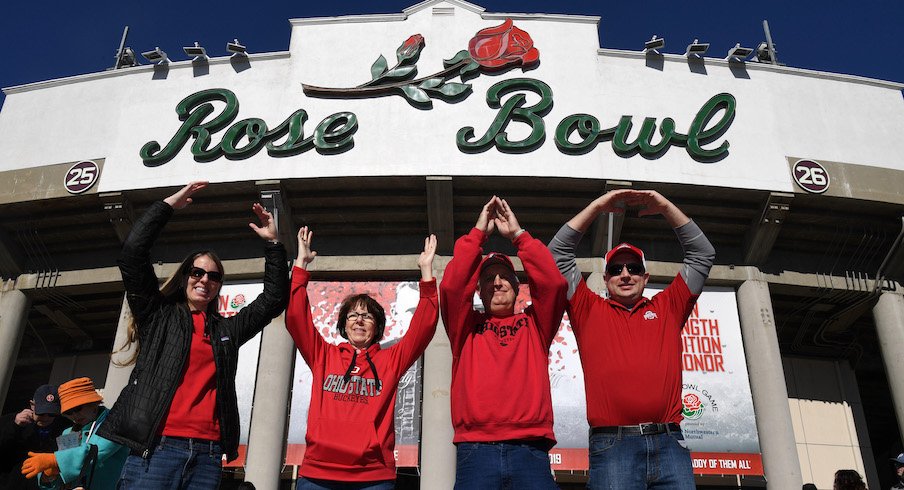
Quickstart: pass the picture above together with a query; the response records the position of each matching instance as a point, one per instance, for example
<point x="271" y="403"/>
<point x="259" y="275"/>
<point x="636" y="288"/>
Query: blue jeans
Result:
<point x="176" y="463"/>
<point x="640" y="462"/>
<point x="304" y="483"/>
<point x="500" y="465"/>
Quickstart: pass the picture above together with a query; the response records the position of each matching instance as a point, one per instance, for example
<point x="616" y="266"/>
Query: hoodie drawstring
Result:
<point x="348" y="372"/>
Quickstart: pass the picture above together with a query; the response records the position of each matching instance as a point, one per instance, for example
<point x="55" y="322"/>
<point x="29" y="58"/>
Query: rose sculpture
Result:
<point x="491" y="50"/>
<point x="500" y="46"/>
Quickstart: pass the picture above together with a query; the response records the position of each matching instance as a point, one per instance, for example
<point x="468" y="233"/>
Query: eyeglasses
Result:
<point x="634" y="269"/>
<point x="367" y="317"/>
<point x="75" y="410"/>
<point x="198" y="273"/>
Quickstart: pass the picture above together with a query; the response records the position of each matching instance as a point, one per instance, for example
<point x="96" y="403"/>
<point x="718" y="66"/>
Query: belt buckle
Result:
<point x="646" y="429"/>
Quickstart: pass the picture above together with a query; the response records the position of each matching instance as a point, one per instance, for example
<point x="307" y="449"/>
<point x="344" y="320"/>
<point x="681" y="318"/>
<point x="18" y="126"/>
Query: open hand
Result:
<point x="506" y="221"/>
<point x="425" y="261"/>
<point x="267" y="228"/>
<point x="182" y="197"/>
<point x="485" y="221"/>
<point x="305" y="254"/>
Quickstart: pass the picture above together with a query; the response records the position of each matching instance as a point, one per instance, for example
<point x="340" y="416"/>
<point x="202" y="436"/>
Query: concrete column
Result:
<point x="767" y="385"/>
<point x="889" y="317"/>
<point x="118" y="376"/>
<point x="437" y="452"/>
<point x="268" y="431"/>
<point x="13" y="315"/>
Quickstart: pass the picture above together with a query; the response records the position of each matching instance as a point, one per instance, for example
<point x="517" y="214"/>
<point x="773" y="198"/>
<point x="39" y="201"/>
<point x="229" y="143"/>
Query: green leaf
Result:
<point x="458" y="57"/>
<point x="470" y="68"/>
<point x="431" y="83"/>
<point x="452" y="89"/>
<point x="415" y="94"/>
<point x="401" y="72"/>
<point x="378" y="68"/>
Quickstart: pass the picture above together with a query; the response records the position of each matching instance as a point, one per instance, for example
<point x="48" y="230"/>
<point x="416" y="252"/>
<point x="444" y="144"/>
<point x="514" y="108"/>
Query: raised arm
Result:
<point x="139" y="280"/>
<point x="699" y="253"/>
<point x="460" y="277"/>
<point x="565" y="242"/>
<point x="299" y="320"/>
<point x="547" y="286"/>
<point x="423" y="323"/>
<point x="273" y="300"/>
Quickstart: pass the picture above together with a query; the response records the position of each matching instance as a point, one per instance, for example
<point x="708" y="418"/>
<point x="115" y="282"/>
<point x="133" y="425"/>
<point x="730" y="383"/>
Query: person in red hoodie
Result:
<point x="351" y="430"/>
<point x="501" y="403"/>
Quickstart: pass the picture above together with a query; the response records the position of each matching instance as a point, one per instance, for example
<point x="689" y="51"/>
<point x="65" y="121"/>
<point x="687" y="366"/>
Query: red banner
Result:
<point x="703" y="463"/>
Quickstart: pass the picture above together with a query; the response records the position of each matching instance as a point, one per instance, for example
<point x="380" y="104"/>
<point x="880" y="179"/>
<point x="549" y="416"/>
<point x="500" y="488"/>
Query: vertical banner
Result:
<point x="234" y="297"/>
<point x="399" y="299"/>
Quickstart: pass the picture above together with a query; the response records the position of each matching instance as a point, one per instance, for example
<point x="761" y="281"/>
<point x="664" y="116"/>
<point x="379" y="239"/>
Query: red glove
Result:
<point x="40" y="462"/>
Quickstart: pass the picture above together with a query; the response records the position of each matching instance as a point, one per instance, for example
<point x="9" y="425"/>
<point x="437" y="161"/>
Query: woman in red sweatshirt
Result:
<point x="351" y="431"/>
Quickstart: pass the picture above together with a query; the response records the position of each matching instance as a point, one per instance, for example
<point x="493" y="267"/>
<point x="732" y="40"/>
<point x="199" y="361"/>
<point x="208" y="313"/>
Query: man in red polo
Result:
<point x="630" y="348"/>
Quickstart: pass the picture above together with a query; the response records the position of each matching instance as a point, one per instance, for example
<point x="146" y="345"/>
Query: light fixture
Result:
<point x="762" y="53"/>
<point x="126" y="58"/>
<point x="696" y="49"/>
<point x="199" y="53"/>
<point x="156" y="55"/>
<point x="654" y="45"/>
<point x="236" y="48"/>
<point x="737" y="54"/>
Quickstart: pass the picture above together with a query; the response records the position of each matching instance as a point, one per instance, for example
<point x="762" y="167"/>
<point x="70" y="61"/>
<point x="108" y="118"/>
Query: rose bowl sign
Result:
<point x="491" y="50"/>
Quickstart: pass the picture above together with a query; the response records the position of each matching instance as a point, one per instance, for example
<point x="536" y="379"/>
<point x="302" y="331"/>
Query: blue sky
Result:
<point x="47" y="40"/>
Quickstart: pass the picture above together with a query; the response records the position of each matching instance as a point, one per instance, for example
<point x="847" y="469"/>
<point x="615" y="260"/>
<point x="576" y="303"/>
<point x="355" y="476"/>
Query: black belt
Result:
<point x="636" y="430"/>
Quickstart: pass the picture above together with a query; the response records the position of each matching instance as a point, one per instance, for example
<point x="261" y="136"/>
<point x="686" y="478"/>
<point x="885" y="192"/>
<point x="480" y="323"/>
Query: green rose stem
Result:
<point x="365" y="91"/>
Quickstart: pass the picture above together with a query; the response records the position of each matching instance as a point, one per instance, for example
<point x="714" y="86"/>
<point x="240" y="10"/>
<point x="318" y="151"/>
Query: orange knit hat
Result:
<point x="76" y="393"/>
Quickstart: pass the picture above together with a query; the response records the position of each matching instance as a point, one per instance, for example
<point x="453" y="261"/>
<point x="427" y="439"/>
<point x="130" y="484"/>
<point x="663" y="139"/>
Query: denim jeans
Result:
<point x="176" y="463"/>
<point x="640" y="462"/>
<point x="491" y="466"/>
<point x="313" y="484"/>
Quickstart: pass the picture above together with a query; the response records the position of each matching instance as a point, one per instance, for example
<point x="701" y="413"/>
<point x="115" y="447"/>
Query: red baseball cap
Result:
<point x="496" y="258"/>
<point x="627" y="247"/>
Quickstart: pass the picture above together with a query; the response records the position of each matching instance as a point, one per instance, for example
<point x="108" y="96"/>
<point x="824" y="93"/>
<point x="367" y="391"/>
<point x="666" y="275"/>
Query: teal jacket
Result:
<point x="110" y="458"/>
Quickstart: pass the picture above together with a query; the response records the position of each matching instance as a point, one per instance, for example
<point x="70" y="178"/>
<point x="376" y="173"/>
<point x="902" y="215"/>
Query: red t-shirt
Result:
<point x="193" y="411"/>
<point x="631" y="357"/>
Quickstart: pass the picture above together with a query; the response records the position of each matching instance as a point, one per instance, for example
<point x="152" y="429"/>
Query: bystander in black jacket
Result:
<point x="165" y="335"/>
<point x="15" y="443"/>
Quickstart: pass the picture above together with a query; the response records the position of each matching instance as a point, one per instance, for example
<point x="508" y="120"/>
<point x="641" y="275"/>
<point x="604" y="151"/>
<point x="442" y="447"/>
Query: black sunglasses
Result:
<point x="634" y="268"/>
<point x="198" y="273"/>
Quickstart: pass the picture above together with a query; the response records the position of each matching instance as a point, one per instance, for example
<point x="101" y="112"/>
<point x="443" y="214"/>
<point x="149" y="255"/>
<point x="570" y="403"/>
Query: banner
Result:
<point x="399" y="299"/>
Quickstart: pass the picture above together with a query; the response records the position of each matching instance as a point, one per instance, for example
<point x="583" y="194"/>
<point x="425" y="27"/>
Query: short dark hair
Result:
<point x="849" y="479"/>
<point x="371" y="306"/>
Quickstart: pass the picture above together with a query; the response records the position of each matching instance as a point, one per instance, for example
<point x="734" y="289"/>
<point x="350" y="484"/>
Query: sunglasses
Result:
<point x="634" y="268"/>
<point x="198" y="273"/>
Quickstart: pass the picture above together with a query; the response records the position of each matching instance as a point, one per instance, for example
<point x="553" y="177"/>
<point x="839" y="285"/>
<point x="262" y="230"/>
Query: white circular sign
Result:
<point x="811" y="176"/>
<point x="81" y="176"/>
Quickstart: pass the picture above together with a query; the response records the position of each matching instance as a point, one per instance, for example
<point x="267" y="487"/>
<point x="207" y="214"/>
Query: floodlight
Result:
<point x="762" y="53"/>
<point x="696" y="49"/>
<point x="156" y="55"/>
<point x="126" y="58"/>
<point x="236" y="48"/>
<point x="737" y="54"/>
<point x="199" y="53"/>
<point x="654" y="45"/>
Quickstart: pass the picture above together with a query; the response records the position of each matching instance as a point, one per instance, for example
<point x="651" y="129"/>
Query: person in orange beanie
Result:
<point x="76" y="462"/>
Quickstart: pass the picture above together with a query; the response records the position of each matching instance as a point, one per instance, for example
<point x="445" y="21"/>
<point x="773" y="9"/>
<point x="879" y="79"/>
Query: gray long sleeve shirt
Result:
<point x="699" y="255"/>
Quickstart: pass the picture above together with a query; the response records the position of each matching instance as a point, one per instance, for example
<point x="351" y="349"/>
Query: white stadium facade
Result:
<point x="377" y="130"/>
